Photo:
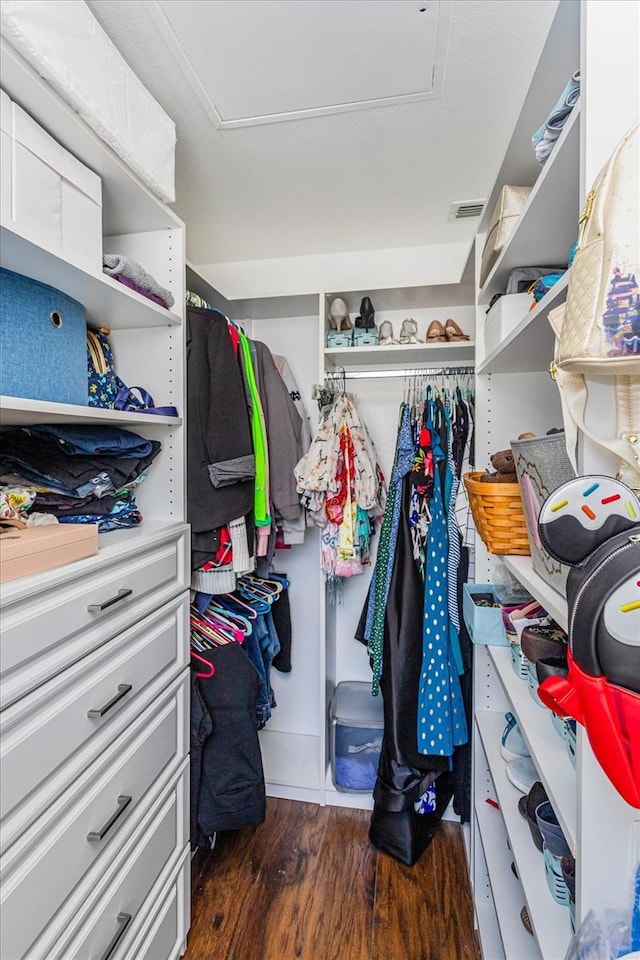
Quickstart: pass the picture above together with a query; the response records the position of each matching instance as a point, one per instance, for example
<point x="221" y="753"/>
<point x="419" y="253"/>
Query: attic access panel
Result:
<point x="263" y="61"/>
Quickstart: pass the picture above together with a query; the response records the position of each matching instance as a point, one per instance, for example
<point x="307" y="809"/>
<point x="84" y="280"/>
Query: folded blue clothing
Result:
<point x="124" y="514"/>
<point x="82" y="440"/>
<point x="14" y="469"/>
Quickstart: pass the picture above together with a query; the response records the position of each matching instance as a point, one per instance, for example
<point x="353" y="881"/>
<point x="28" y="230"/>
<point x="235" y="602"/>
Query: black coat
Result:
<point x="227" y="779"/>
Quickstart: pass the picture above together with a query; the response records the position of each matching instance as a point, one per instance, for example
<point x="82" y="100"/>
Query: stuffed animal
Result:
<point x="505" y="467"/>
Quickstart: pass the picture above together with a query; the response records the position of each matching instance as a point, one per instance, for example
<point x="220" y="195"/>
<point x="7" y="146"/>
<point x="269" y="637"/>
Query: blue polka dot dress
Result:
<point x="441" y="720"/>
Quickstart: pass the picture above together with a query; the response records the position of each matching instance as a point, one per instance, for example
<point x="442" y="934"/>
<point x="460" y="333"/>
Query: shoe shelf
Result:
<point x="401" y="355"/>
<point x="548" y="750"/>
<point x="551" y="211"/>
<point x="488" y="931"/>
<point x="529" y="346"/>
<point x="550" y="921"/>
<point x="107" y="302"/>
<point x="19" y="411"/>
<point x="553" y="602"/>
<point x="508" y="896"/>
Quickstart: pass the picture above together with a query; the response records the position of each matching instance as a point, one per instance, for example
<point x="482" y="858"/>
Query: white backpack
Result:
<point x="598" y="329"/>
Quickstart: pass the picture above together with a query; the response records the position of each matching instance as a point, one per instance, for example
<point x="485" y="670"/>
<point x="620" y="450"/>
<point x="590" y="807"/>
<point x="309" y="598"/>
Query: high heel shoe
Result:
<point x="339" y="315"/>
<point x="386" y="334"/>
<point x="435" y="333"/>
<point x="453" y="332"/>
<point x="367" y="313"/>
<point x="408" y="331"/>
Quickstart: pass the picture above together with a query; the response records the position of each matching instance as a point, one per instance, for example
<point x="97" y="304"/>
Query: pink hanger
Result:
<point x="210" y="667"/>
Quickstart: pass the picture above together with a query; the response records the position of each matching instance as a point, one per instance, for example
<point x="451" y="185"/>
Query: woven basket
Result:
<point x="498" y="515"/>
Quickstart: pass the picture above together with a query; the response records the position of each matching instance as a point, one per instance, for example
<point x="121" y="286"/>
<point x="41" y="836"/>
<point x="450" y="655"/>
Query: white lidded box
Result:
<point x="505" y="314"/>
<point x="47" y="195"/>
<point x="357" y="724"/>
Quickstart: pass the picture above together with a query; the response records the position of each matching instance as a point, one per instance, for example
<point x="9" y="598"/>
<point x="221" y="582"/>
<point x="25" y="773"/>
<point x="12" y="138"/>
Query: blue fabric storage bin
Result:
<point x="43" y="342"/>
<point x="483" y="623"/>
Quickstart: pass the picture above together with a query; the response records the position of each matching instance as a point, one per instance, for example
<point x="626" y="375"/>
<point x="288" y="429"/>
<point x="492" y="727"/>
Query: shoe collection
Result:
<point x="365" y="332"/>
<point x="535" y="807"/>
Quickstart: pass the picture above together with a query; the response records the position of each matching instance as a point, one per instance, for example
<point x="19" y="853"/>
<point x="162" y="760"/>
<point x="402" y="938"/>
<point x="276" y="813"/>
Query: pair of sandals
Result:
<point x="408" y="333"/>
<point x="449" y="332"/>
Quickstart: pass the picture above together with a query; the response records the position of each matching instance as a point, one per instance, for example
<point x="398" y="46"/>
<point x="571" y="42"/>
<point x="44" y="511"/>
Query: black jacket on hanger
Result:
<point x="218" y="428"/>
<point x="227" y="779"/>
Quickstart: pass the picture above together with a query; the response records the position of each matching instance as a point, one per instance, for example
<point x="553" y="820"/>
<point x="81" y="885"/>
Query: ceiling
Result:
<point x="322" y="126"/>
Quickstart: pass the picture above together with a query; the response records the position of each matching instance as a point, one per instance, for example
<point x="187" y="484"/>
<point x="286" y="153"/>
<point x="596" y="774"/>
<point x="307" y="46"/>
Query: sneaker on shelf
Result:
<point x="522" y="773"/>
<point x="513" y="746"/>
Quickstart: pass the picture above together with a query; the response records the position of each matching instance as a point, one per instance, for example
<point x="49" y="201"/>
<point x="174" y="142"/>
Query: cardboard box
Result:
<point x="36" y="549"/>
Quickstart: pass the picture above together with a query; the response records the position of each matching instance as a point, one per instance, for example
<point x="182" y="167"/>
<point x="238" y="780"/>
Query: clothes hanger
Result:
<point x="210" y="667"/>
<point x="242" y="623"/>
<point x="264" y="583"/>
<point x="230" y="600"/>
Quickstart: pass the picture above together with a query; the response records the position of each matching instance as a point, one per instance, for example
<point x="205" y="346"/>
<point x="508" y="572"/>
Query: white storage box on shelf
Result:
<point x="47" y="195"/>
<point x="504" y="315"/>
<point x="357" y="723"/>
<point x="64" y="42"/>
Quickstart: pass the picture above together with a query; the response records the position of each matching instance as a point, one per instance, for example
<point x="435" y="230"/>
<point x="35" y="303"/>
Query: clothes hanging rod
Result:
<point x="407" y="372"/>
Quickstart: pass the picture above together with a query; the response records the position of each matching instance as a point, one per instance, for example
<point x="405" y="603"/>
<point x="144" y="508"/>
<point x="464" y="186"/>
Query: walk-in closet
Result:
<point x="319" y="480"/>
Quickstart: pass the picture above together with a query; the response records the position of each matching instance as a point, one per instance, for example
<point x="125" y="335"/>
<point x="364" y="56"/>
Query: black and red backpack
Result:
<point x="593" y="525"/>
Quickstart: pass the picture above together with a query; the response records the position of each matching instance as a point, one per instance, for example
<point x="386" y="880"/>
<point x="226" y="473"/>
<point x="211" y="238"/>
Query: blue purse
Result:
<point x="104" y="383"/>
<point x="543" y="285"/>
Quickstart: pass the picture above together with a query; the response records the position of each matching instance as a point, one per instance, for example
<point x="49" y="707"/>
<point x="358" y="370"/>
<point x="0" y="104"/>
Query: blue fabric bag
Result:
<point x="43" y="342"/>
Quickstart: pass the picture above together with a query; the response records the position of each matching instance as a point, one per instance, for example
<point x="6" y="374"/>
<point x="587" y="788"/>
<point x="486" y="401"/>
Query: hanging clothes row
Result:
<point x="411" y="621"/>
<point x="233" y="644"/>
<point x="246" y="430"/>
<point x="341" y="484"/>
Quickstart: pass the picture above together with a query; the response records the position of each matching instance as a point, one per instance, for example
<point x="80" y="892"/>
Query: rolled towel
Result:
<point x="116" y="265"/>
<point x="545" y="137"/>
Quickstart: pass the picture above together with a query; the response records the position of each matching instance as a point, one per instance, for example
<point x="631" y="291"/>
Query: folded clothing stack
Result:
<point x="544" y="139"/>
<point x="81" y="474"/>
<point x="132" y="275"/>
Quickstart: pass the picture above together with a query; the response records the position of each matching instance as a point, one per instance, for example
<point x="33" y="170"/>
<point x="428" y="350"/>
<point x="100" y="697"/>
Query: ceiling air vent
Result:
<point x="466" y="209"/>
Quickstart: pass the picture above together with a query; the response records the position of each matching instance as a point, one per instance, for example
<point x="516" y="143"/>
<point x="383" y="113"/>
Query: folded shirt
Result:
<point x="116" y="265"/>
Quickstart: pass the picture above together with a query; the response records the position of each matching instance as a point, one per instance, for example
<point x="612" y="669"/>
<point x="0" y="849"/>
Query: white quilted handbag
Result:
<point x="598" y="329"/>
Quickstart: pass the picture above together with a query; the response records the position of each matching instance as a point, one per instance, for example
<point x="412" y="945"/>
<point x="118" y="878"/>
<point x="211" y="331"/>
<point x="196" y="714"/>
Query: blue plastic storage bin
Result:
<point x="483" y="623"/>
<point x="43" y="342"/>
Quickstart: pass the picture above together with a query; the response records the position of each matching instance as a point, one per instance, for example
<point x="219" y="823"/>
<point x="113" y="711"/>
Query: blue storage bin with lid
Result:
<point x="43" y="342"/>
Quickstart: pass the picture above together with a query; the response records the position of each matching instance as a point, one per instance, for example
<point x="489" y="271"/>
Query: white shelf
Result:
<point x="548" y="226"/>
<point x="489" y="932"/>
<point x="529" y="346"/>
<point x="18" y="411"/>
<point x="507" y="891"/>
<point x="550" y="921"/>
<point x="107" y="302"/>
<point x="548" y="750"/>
<point x="402" y="355"/>
<point x="553" y="602"/>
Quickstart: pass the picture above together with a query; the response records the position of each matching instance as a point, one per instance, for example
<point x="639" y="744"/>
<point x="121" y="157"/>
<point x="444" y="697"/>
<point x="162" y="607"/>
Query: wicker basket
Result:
<point x="498" y="515"/>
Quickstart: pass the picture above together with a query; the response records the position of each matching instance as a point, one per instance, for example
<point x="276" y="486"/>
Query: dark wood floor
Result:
<point x="308" y="884"/>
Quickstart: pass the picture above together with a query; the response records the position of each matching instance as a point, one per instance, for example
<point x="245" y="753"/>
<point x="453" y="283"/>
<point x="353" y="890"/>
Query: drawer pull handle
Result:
<point x="99" y="712"/>
<point x="99" y="607"/>
<point x="95" y="835"/>
<point x="124" y="919"/>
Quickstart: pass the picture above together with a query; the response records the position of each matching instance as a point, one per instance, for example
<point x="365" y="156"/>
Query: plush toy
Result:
<point x="505" y="467"/>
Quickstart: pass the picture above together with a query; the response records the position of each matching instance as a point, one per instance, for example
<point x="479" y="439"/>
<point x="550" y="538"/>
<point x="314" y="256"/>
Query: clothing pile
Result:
<point x="342" y="487"/>
<point x="80" y="473"/>
<point x="132" y="275"/>
<point x="545" y="138"/>
<point x="246" y="430"/>
<point x="418" y="646"/>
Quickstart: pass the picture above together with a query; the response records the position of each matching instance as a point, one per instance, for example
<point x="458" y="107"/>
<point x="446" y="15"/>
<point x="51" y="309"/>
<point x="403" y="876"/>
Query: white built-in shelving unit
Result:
<point x="514" y="394"/>
<point x="94" y="663"/>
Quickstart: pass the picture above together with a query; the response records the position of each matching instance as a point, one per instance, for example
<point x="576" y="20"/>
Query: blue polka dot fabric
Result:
<point x="441" y="720"/>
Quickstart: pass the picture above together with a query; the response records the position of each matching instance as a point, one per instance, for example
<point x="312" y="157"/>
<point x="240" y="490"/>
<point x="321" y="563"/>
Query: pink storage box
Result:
<point x="42" y="548"/>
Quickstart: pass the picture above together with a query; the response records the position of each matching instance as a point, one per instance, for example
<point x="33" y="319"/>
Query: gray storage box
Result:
<point x="357" y="723"/>
<point x="542" y="465"/>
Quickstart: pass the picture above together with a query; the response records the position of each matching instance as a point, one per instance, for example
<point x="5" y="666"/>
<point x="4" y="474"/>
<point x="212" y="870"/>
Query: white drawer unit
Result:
<point x="51" y="735"/>
<point x="75" y="839"/>
<point x="110" y="907"/>
<point x="52" y="620"/>
<point x="162" y="935"/>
